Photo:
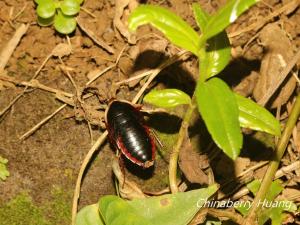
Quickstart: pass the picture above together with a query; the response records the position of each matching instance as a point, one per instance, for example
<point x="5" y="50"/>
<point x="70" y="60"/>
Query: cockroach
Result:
<point x="128" y="132"/>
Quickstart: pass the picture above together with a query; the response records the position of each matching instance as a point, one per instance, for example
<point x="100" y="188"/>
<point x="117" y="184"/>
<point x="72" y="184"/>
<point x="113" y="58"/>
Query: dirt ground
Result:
<point x="51" y="156"/>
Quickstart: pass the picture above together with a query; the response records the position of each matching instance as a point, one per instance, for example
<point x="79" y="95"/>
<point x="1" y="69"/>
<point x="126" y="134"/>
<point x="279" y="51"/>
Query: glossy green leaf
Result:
<point x="218" y="108"/>
<point x="45" y="22"/>
<point x="171" y="25"/>
<point x="89" y="215"/>
<point x="64" y="24"/>
<point x="171" y="209"/>
<point x="4" y="173"/>
<point x="70" y="7"/>
<point x="167" y="98"/>
<point x="256" y="117"/>
<point x="46" y="9"/>
<point x="217" y="56"/>
<point x="225" y="16"/>
<point x="201" y="16"/>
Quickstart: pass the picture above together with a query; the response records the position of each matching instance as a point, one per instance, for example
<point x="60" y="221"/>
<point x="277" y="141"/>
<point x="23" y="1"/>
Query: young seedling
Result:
<point x="223" y="111"/>
<point x="60" y="13"/>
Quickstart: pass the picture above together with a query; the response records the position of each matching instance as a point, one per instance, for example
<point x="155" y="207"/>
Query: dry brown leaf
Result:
<point x="62" y="50"/>
<point x="246" y="86"/>
<point x="121" y="27"/>
<point x="291" y="194"/>
<point x="279" y="53"/>
<point x="128" y="189"/>
<point x="191" y="163"/>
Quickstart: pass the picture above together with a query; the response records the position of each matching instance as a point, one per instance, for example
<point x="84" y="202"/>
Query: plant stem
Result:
<point x="176" y="149"/>
<point x="274" y="164"/>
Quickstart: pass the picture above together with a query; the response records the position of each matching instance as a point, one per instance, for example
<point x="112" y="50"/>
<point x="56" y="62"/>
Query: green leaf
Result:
<point x="256" y="117"/>
<point x="253" y="186"/>
<point x="171" y="209"/>
<point x="46" y="9"/>
<point x="171" y="25"/>
<point x="64" y="24"/>
<point x="287" y="206"/>
<point x="217" y="56"/>
<point x="89" y="215"/>
<point x="200" y="15"/>
<point x="43" y="1"/>
<point x="275" y="188"/>
<point x="271" y="207"/>
<point x="45" y="22"/>
<point x="115" y="211"/>
<point x="4" y="173"/>
<point x="218" y="108"/>
<point x="167" y="98"/>
<point x="70" y="7"/>
<point x="276" y="212"/>
<point x="225" y="16"/>
<point x="243" y="207"/>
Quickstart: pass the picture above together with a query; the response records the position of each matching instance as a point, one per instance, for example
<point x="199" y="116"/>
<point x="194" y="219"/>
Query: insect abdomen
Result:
<point x="126" y="127"/>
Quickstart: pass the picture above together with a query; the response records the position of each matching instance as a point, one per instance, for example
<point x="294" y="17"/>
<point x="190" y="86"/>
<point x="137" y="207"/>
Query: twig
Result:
<point x="37" y="126"/>
<point x="273" y="166"/>
<point x="91" y="35"/>
<point x="91" y="132"/>
<point x="11" y="45"/>
<point x="11" y="104"/>
<point x="26" y="87"/>
<point x="37" y="84"/>
<point x="69" y="76"/>
<point x="88" y="12"/>
<point x="107" y="68"/>
<point x="20" y="12"/>
<point x="139" y="76"/>
<point x="84" y="164"/>
<point x="156" y="71"/>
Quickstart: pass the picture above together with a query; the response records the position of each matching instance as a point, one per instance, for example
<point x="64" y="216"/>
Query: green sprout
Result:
<point x="60" y="13"/>
<point x="223" y="111"/>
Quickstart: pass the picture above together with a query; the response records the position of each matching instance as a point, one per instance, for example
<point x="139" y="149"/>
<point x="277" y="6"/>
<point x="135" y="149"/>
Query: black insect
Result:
<point x="128" y="132"/>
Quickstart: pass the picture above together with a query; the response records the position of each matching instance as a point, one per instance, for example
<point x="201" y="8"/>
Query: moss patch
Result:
<point x="22" y="211"/>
